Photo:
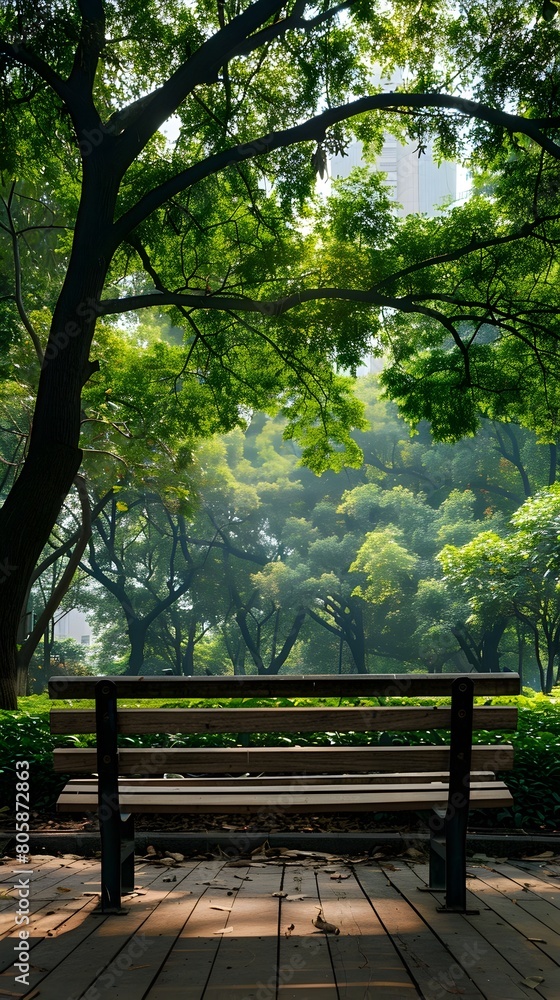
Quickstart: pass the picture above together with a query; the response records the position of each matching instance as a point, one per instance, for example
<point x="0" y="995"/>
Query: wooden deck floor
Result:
<point x="206" y="931"/>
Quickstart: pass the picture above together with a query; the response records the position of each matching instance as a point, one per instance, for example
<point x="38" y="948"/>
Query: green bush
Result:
<point x="534" y="782"/>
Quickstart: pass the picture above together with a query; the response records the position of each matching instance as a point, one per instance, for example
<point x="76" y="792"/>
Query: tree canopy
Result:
<point x="213" y="221"/>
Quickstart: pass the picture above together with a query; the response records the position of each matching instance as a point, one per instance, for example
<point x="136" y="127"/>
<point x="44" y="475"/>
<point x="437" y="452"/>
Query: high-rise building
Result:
<point x="419" y="184"/>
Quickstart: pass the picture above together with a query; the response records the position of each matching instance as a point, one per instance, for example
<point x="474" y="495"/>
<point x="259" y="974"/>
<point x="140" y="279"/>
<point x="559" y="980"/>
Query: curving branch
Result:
<point x="28" y="647"/>
<point x="18" y="293"/>
<point x="202" y="67"/>
<point x="23" y="56"/>
<point x="315" y="130"/>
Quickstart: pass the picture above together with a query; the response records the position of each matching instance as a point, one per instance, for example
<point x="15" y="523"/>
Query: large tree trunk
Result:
<point x="137" y="634"/>
<point x="53" y="459"/>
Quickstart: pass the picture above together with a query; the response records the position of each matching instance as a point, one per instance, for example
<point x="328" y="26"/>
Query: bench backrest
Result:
<point x="283" y="719"/>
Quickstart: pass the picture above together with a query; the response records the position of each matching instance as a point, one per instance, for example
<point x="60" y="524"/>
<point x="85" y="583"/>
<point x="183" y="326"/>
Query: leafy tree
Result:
<point x="516" y="576"/>
<point x="206" y="225"/>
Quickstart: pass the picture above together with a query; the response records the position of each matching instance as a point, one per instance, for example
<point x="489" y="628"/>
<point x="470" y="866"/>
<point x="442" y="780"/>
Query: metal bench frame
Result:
<point x="448" y="825"/>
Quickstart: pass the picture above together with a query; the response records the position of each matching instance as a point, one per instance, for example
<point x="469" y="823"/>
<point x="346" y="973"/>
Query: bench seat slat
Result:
<point x="150" y="791"/>
<point x="313" y="801"/>
<point x="279" y="760"/>
<point x="248" y="781"/>
<point x="280" y="720"/>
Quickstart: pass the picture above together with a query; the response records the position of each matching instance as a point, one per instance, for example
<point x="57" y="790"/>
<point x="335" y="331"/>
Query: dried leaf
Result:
<point x="287" y="853"/>
<point x="532" y="981"/>
<point x="323" y="925"/>
<point x="538" y="857"/>
<point x="289" y="929"/>
<point x="225" y="930"/>
<point x="62" y="888"/>
<point x="292" y="899"/>
<point x="280" y="895"/>
<point x="226" y="909"/>
<point x="176" y="857"/>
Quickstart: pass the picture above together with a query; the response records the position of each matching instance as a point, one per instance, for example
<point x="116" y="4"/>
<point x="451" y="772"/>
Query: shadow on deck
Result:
<point x="205" y="930"/>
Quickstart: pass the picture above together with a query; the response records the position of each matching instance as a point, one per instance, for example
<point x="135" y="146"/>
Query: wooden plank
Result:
<point x="287" y="686"/>
<point x="314" y="760"/>
<point x="433" y="968"/>
<point x="280" y="804"/>
<point x="189" y="964"/>
<point x="304" y="962"/>
<point x="132" y="976"/>
<point x="509" y="939"/>
<point x="68" y="964"/>
<point x="471" y="945"/>
<point x="246" y="961"/>
<point x="364" y="958"/>
<point x="525" y="881"/>
<point x="279" y="720"/>
<point x="282" y="780"/>
<point x="69" y="900"/>
<point x="171" y="786"/>
<point x="510" y="905"/>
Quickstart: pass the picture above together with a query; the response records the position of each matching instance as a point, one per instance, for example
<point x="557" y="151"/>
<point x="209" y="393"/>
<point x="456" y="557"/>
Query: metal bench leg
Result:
<point x="457" y="813"/>
<point x="127" y="851"/>
<point x="110" y="860"/>
<point x="437" y="852"/>
<point x="108" y="795"/>
<point x="456" y="865"/>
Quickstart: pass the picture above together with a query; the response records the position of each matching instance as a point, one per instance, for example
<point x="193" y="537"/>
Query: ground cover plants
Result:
<point x="534" y="782"/>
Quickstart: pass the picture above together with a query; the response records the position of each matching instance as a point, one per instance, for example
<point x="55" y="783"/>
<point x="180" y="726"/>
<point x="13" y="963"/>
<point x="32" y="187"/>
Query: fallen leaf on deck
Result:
<point x="532" y="981"/>
<point x="176" y="857"/>
<point x="280" y="895"/>
<point x="287" y="853"/>
<point x="289" y="929"/>
<point x="323" y="925"/>
<point x="62" y="888"/>
<point x="237" y="864"/>
<point x="537" y="940"/>
<point x="538" y="857"/>
<point x="340" y="875"/>
<point x="225" y="930"/>
<point x="226" y="909"/>
<point x="291" y="899"/>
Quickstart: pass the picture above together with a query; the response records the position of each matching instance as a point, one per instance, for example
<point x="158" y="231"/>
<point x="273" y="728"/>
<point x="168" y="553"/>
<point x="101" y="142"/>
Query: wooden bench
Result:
<point x="272" y="781"/>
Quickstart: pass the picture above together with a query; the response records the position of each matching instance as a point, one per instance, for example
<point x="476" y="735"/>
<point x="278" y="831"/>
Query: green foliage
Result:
<point x="533" y="782"/>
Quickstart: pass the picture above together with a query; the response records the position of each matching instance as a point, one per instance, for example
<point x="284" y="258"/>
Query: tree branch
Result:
<point x="314" y="130"/>
<point x="28" y="647"/>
